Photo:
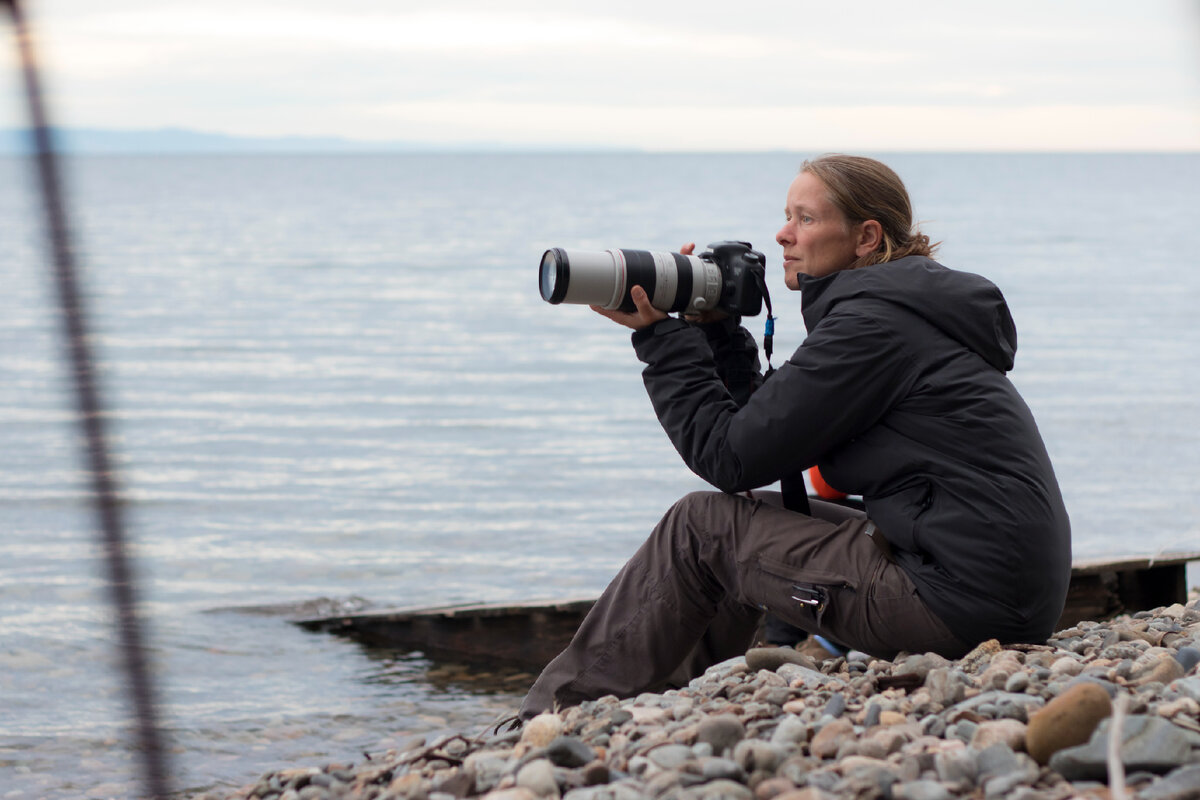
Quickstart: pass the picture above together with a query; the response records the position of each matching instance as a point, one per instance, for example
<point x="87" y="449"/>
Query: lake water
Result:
<point x="334" y="377"/>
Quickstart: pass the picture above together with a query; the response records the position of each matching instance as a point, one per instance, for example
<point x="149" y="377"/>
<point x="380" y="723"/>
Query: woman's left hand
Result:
<point x="645" y="316"/>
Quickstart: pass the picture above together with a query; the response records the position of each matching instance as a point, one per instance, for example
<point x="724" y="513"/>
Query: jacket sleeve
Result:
<point x="841" y="381"/>
<point x="735" y="354"/>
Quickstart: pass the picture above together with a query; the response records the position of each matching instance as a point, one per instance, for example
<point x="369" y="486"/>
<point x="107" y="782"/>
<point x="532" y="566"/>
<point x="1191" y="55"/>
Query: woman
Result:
<point x="898" y="394"/>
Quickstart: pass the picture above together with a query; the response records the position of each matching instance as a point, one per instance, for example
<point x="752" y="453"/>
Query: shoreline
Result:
<point x="1030" y="722"/>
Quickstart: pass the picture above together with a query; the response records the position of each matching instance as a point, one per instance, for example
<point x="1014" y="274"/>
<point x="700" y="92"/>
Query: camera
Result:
<point x="729" y="276"/>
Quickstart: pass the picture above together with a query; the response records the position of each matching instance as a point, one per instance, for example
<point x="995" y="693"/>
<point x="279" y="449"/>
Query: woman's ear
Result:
<point x="870" y="236"/>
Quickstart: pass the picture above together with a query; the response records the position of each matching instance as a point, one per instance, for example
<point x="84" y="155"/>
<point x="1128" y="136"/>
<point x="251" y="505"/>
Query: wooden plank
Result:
<point x="531" y="634"/>
<point x="1102" y="588"/>
<point x="527" y="634"/>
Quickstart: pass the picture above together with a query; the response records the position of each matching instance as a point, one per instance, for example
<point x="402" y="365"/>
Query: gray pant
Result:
<point x="693" y="595"/>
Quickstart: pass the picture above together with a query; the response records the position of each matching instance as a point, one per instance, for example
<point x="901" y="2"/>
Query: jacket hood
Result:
<point x="969" y="308"/>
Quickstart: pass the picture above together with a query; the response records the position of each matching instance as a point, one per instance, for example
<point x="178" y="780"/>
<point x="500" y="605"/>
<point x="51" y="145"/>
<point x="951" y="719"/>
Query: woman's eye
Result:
<point x="806" y="219"/>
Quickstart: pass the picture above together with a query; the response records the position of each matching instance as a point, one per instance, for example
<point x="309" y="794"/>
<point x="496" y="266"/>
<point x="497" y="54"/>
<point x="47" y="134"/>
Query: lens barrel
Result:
<point x="673" y="281"/>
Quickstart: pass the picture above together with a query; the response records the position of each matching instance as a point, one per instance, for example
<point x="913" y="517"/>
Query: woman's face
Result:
<point x="816" y="238"/>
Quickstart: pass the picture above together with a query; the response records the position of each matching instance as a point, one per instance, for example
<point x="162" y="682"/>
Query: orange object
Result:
<point x="823" y="489"/>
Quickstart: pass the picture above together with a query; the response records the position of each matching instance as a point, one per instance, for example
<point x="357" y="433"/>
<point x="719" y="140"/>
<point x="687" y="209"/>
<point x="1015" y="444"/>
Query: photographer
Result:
<point x="898" y="394"/>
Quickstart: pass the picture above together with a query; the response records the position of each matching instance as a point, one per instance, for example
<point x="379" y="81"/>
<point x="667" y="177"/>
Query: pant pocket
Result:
<point x="805" y="593"/>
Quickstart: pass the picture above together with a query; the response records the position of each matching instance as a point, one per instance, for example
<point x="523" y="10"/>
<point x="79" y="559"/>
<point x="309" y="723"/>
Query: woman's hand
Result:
<point x="645" y="316"/>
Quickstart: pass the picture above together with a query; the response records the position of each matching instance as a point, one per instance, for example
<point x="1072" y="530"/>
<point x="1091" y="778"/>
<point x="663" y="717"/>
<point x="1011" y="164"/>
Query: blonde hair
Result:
<point x="863" y="189"/>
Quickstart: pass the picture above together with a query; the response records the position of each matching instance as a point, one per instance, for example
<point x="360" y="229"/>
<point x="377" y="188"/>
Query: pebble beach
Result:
<point x="1101" y="710"/>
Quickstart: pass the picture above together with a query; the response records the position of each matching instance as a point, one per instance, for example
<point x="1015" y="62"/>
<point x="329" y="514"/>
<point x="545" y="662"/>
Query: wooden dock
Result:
<point x="529" y="635"/>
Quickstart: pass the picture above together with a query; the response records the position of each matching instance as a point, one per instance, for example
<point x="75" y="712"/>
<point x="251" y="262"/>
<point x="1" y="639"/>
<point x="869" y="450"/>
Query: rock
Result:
<point x="1066" y="666"/>
<point x="515" y="793"/>
<point x="791" y="730"/>
<point x="1183" y="784"/>
<point x="920" y="665"/>
<point x="944" y="687"/>
<point x="649" y="716"/>
<point x="807" y="793"/>
<point x="980" y="656"/>
<point x="1164" y="671"/>
<point x="921" y="790"/>
<point x="724" y="790"/>
<point x="772" y="658"/>
<point x="957" y="767"/>
<point x="827" y="741"/>
<point x="801" y="677"/>
<point x="1066" y="721"/>
<point x="1017" y="682"/>
<point x="671" y="756"/>
<point x="542" y="730"/>
<point x="836" y="705"/>
<point x="753" y="755"/>
<point x="1147" y="743"/>
<point x="1188" y="658"/>
<point x="538" y="777"/>
<point x="568" y="751"/>
<point x="1010" y="732"/>
<point x="714" y="768"/>
<point x="989" y="704"/>
<point x="1184" y="705"/>
<point x="722" y="732"/>
<point x="596" y="774"/>
<point x="1188" y="687"/>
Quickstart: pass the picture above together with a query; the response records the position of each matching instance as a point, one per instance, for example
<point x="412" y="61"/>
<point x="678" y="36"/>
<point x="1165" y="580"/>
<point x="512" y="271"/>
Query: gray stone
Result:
<point x="722" y="732"/>
<point x="1188" y="657"/>
<point x="538" y="777"/>
<point x="671" y="756"/>
<point x="810" y="678"/>
<point x="1147" y="743"/>
<point x="714" y="768"/>
<point x="1182" y="784"/>
<point x="753" y="755"/>
<point x="933" y="725"/>
<point x="1001" y="770"/>
<point x="568" y="751"/>
<point x="488" y="770"/>
<point x="773" y="695"/>
<point x="1017" y="682"/>
<point x="791" y="730"/>
<point x="836" y="705"/>
<point x="963" y="730"/>
<point x="874" y="711"/>
<point x="1027" y="702"/>
<point x="956" y="767"/>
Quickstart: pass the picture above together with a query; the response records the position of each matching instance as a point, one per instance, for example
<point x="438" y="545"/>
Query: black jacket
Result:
<point x="898" y="394"/>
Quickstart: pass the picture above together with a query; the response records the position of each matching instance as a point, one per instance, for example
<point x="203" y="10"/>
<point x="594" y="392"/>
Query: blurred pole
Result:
<point x="107" y="505"/>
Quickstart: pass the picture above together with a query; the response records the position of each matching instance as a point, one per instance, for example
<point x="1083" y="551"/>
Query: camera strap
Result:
<point x="769" y="327"/>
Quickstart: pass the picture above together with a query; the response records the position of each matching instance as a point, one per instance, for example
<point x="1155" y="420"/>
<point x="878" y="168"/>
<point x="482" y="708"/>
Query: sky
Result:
<point x="659" y="75"/>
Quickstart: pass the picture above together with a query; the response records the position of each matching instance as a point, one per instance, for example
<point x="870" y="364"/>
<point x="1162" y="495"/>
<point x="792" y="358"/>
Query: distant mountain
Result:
<point x="179" y="140"/>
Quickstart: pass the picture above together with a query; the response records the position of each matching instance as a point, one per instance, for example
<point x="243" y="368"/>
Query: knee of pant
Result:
<point x="697" y="506"/>
<point x="707" y="512"/>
